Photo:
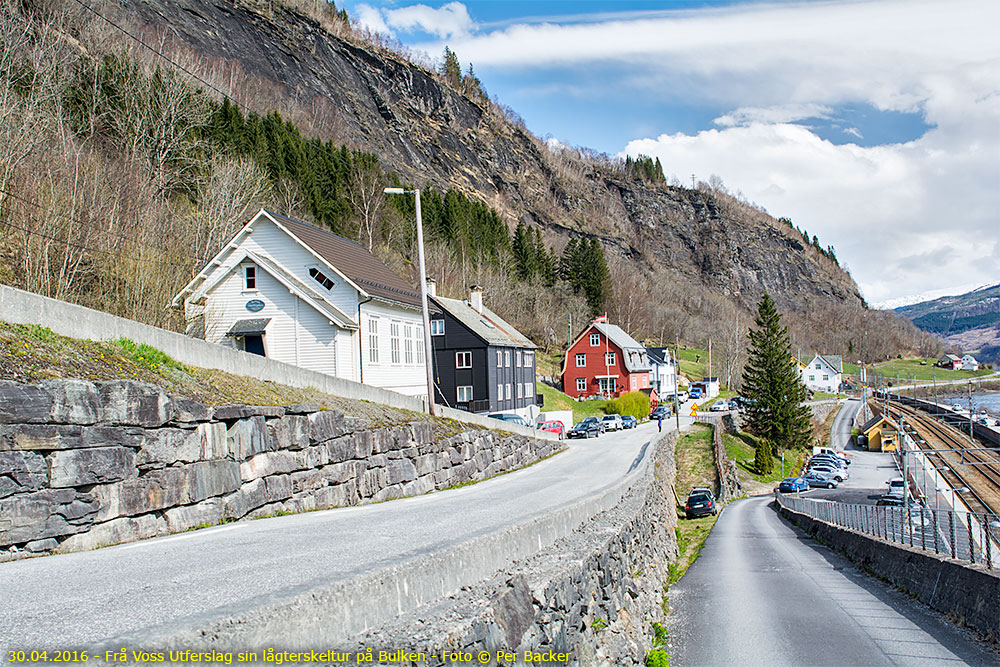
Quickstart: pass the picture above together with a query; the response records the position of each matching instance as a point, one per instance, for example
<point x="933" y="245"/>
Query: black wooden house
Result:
<point x="481" y="363"/>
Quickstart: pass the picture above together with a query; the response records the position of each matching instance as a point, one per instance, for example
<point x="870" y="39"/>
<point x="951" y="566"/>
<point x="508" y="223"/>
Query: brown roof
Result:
<point x="353" y="260"/>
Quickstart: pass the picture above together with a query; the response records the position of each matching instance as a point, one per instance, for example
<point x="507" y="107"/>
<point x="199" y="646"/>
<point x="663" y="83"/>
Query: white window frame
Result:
<point x="581" y="360"/>
<point x="372" y="339"/>
<point x="499" y="358"/>
<point x="520" y="359"/>
<point x="461" y="358"/>
<point x="506" y="361"/>
<point x="420" y="344"/>
<point x="408" y="343"/>
<point x="499" y="391"/>
<point x="520" y="390"/>
<point x="437" y="327"/>
<point x="635" y="383"/>
<point x="508" y="392"/>
<point x="247" y="278"/>
<point x="529" y="359"/>
<point x="394" y="353"/>
<point x="527" y="391"/>
<point x="464" y="389"/>
<point x="609" y="358"/>
<point x="595" y="340"/>
<point x="583" y="382"/>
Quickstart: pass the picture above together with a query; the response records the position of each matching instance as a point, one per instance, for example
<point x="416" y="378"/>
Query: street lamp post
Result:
<point x="428" y="350"/>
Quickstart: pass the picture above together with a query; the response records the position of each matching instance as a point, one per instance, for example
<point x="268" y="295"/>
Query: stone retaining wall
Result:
<point x="968" y="594"/>
<point x="593" y="595"/>
<point x="88" y="464"/>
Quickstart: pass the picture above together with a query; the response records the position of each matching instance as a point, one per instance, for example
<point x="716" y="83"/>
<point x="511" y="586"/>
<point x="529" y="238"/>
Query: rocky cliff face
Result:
<point x="430" y="133"/>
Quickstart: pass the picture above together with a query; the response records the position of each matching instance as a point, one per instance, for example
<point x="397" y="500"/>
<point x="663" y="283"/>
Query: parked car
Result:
<point x="793" y="485"/>
<point x="552" y="427"/>
<point x="660" y="411"/>
<point x="702" y="489"/>
<point x="720" y="406"/>
<point x="699" y="504"/>
<point x="682" y="395"/>
<point x="830" y="472"/>
<point x="820" y="480"/>
<point x="890" y="500"/>
<point x="695" y="393"/>
<point x="590" y="427"/>
<point x="628" y="421"/>
<point x="737" y="403"/>
<point x="508" y="417"/>
<point x="612" y="422"/>
<point x="897" y="487"/>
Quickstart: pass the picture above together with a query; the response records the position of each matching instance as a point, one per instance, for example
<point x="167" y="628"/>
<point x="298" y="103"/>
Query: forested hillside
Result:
<point x="129" y="153"/>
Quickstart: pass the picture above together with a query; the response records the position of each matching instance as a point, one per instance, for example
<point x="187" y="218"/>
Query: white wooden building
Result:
<point x="969" y="363"/>
<point x="304" y="296"/>
<point x="824" y="373"/>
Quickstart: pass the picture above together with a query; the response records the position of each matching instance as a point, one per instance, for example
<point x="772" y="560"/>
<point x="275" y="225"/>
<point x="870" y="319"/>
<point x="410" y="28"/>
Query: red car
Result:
<point x="552" y="427"/>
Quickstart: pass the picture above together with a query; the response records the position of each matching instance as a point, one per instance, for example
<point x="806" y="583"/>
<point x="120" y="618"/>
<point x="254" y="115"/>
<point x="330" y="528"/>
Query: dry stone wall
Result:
<point x="591" y="597"/>
<point x="88" y="464"/>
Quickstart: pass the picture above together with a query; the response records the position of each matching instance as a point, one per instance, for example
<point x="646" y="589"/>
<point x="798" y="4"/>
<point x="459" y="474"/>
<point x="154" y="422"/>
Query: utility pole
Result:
<point x="677" y="373"/>
<point x="692" y="181"/>
<point x="970" y="415"/>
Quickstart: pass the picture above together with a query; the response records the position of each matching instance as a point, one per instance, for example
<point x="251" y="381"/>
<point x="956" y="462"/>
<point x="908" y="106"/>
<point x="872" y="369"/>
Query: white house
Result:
<point x="302" y="295"/>
<point x="969" y="363"/>
<point x="664" y="370"/>
<point x="823" y="373"/>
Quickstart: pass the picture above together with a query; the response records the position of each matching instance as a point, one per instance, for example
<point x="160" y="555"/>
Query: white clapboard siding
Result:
<point x="404" y="378"/>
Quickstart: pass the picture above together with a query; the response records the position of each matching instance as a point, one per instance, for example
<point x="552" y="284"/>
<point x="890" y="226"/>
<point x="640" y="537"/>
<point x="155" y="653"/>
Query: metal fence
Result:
<point x="964" y="536"/>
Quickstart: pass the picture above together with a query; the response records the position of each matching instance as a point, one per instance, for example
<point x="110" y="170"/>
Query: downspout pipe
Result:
<point x="361" y="342"/>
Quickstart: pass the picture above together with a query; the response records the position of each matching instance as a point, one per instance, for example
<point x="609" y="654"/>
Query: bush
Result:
<point x="633" y="403"/>
<point x="657" y="658"/>
<point x="763" y="458"/>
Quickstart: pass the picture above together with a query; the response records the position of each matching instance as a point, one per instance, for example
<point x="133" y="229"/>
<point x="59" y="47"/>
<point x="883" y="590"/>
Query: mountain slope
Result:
<point x="955" y="314"/>
<point x="684" y="263"/>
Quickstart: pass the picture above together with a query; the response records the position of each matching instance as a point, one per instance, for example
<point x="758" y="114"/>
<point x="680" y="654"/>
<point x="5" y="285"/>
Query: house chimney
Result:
<point x="476" y="298"/>
<point x="432" y="287"/>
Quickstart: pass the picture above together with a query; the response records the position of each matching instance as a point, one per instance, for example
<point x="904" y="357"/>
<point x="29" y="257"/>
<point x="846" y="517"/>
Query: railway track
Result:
<point x="968" y="467"/>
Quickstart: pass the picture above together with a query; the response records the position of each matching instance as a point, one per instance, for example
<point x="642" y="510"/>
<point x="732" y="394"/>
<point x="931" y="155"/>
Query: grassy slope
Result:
<point x="912" y="369"/>
<point x="693" y="370"/>
<point x="556" y="400"/>
<point x="32" y="353"/>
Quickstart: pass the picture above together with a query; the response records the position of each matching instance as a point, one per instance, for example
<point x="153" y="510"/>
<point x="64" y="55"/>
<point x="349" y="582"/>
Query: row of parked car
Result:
<point x="826" y="469"/>
<point x="591" y="427"/>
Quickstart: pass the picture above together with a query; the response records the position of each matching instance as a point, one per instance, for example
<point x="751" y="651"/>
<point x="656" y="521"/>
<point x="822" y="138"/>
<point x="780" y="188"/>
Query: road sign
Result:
<point x="694" y="409"/>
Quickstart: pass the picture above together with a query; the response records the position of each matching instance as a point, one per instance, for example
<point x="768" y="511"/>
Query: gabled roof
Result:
<point x="349" y="259"/>
<point x="951" y="357"/>
<point x="487" y="325"/>
<point x="353" y="260"/>
<point x="633" y="352"/>
<point x="834" y="361"/>
<point x="877" y="421"/>
<point x="660" y="355"/>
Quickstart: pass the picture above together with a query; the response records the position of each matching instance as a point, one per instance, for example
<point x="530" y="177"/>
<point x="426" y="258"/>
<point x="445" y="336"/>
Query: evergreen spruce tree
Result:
<point x="763" y="457"/>
<point x="451" y="68"/>
<point x="771" y="383"/>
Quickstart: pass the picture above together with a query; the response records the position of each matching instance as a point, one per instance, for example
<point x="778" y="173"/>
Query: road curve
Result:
<point x="182" y="582"/>
<point x="764" y="593"/>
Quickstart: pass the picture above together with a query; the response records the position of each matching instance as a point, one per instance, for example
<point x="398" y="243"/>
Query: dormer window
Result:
<point x="321" y="278"/>
<point x="250" y="276"/>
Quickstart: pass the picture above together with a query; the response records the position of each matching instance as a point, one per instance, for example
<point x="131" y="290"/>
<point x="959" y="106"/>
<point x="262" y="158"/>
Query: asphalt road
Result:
<point x="182" y="582"/>
<point x="764" y="593"/>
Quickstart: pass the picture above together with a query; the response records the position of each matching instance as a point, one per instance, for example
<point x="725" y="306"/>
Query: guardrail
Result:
<point x="964" y="536"/>
<point x="956" y="419"/>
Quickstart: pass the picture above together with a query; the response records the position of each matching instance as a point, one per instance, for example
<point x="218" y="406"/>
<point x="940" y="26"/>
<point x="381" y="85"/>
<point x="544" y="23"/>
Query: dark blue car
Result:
<point x="793" y="485"/>
<point x="628" y="421"/>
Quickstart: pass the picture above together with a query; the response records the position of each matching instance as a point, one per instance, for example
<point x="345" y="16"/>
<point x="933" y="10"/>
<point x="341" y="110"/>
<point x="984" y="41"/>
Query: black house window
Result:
<point x="321" y="278"/>
<point x="463" y="360"/>
<point x="250" y="274"/>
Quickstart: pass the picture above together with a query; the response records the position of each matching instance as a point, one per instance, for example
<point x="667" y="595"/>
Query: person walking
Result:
<point x="659" y="422"/>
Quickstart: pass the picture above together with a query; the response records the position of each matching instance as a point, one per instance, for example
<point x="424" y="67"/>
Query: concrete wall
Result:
<point x="88" y="464"/>
<point x="969" y="594"/>
<point x="67" y="319"/>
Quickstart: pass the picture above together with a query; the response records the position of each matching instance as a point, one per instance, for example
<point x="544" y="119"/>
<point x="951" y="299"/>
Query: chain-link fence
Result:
<point x="963" y="536"/>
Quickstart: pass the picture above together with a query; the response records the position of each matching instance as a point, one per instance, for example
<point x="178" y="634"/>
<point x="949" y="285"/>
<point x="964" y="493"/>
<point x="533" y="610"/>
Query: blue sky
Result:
<point x="872" y="123"/>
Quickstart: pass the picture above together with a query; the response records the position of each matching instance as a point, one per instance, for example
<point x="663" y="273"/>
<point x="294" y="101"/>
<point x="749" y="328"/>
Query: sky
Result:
<point x="873" y="124"/>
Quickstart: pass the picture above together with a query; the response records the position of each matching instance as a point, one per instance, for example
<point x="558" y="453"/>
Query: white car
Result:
<point x="612" y="422"/>
<point x="719" y="406"/>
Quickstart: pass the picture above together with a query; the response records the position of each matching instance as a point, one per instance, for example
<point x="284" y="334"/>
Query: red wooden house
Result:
<point x="605" y="361"/>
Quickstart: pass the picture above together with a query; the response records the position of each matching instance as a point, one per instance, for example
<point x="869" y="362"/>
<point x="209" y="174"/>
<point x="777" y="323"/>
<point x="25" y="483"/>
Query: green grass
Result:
<point x="144" y="355"/>
<point x="691" y="536"/>
<point x="740" y="448"/>
<point x="556" y="400"/>
<point x="823" y="396"/>
<point x="912" y="369"/>
<point x="695" y="460"/>
<point x="693" y="362"/>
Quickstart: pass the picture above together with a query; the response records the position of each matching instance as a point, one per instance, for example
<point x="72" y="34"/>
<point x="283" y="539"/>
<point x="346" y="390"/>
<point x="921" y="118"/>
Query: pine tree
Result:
<point x="763" y="457"/>
<point x="771" y="383"/>
<point x="451" y="68"/>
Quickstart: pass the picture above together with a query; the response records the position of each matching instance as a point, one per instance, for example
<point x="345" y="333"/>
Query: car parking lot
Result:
<point x="869" y="472"/>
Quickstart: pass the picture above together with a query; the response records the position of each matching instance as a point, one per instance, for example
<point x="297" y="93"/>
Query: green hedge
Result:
<point x="633" y="403"/>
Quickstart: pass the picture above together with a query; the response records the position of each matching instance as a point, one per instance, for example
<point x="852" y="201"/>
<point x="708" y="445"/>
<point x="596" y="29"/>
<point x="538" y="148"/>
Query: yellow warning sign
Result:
<point x="694" y="409"/>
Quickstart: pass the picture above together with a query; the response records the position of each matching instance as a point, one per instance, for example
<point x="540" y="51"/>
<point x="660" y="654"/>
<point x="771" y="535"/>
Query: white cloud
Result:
<point x="370" y="18"/>
<point x="854" y="132"/>
<point x="448" y="21"/>
<point x="784" y="113"/>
